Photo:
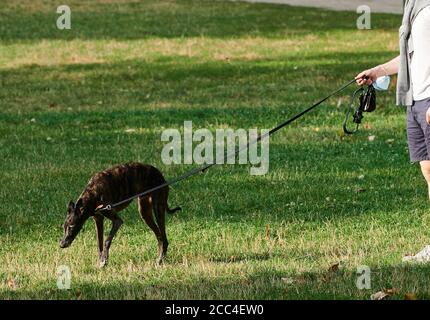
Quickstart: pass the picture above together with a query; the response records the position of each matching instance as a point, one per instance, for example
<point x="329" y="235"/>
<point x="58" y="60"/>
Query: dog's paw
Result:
<point x="160" y="261"/>
<point x="102" y="263"/>
<point x="103" y="260"/>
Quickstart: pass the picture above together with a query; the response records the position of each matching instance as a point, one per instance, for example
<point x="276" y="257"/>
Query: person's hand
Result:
<point x="428" y="116"/>
<point x="367" y="77"/>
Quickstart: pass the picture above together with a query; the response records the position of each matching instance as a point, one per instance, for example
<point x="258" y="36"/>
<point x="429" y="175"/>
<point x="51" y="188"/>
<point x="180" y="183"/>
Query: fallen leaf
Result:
<point x="410" y="296"/>
<point x="380" y="295"/>
<point x="78" y="294"/>
<point x="391" y="291"/>
<point x="371" y="138"/>
<point x="12" y="284"/>
<point x="334" y="268"/>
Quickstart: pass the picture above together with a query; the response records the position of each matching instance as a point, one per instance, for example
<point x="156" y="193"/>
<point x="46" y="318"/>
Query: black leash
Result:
<point x="203" y="168"/>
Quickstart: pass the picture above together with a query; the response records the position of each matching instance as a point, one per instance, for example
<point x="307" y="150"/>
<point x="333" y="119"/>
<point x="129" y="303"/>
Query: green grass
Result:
<point x="68" y="97"/>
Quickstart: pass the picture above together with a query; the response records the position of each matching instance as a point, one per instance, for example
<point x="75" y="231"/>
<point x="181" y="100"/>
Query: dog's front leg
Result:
<point x="98" y="219"/>
<point x="116" y="224"/>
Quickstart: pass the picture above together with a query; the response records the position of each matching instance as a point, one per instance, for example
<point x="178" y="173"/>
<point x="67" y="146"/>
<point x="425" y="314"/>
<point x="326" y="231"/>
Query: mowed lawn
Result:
<point x="77" y="101"/>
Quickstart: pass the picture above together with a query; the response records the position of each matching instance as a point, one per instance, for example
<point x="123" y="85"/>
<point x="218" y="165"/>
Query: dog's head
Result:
<point x="75" y="219"/>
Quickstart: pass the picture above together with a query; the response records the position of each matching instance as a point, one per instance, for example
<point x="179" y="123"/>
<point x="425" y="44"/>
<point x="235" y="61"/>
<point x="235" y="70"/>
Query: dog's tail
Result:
<point x="172" y="211"/>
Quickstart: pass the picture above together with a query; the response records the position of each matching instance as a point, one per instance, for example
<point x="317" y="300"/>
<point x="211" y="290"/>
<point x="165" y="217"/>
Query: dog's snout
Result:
<point x="63" y="244"/>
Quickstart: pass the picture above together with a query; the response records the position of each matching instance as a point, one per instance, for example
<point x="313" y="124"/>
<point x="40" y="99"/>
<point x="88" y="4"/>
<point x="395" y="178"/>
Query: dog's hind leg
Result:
<point x="145" y="210"/>
<point x="159" y="206"/>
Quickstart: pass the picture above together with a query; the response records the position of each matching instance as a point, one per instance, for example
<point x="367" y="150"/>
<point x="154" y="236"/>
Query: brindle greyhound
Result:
<point x="114" y="185"/>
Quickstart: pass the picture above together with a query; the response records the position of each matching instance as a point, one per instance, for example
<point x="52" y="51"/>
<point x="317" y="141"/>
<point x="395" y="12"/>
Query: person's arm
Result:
<point x="386" y="69"/>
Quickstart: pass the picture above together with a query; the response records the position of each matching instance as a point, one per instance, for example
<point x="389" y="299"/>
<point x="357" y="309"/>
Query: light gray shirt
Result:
<point x="420" y="60"/>
<point x="404" y="79"/>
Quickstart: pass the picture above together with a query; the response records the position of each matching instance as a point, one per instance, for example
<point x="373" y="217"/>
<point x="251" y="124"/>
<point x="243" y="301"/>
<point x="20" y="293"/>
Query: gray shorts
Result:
<point x="418" y="131"/>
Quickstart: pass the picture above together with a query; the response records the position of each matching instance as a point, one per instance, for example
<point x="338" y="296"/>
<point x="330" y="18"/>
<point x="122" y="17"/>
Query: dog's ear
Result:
<point x="79" y="207"/>
<point x="71" y="206"/>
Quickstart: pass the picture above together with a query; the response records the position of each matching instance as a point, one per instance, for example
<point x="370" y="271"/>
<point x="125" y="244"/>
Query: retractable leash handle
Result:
<point x="366" y="103"/>
<point x="357" y="116"/>
<point x="203" y="168"/>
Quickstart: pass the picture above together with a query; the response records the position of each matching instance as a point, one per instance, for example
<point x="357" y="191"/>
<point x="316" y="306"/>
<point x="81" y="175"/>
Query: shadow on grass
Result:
<point x="186" y="82"/>
<point x="260" y="284"/>
<point x="138" y="20"/>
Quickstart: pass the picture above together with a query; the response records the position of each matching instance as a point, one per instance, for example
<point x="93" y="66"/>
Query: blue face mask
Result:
<point x="382" y="83"/>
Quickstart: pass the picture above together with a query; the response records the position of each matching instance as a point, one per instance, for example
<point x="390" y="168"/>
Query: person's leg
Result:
<point x="416" y="133"/>
<point x="424" y="159"/>
<point x="425" y="169"/>
<point x="419" y="149"/>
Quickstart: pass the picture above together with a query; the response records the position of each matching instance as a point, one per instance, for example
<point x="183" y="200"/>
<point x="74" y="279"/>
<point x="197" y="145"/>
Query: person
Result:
<point x="413" y="83"/>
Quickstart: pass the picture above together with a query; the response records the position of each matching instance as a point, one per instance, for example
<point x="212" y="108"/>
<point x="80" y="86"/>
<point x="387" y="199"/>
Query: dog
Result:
<point x="114" y="185"/>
